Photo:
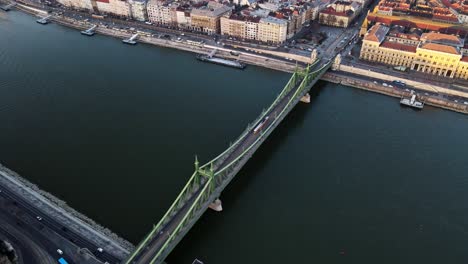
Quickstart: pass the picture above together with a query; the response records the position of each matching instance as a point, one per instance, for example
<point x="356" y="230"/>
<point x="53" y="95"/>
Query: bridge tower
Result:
<point x="336" y="63"/>
<point x="313" y="56"/>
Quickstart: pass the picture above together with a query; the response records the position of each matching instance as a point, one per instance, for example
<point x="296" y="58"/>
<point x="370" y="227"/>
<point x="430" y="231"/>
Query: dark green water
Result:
<point x="113" y="130"/>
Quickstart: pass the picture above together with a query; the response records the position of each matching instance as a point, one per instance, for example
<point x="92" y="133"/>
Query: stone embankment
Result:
<point x="60" y="211"/>
<point x="355" y="81"/>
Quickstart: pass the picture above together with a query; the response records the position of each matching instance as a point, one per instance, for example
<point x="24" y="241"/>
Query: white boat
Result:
<point x="412" y="102"/>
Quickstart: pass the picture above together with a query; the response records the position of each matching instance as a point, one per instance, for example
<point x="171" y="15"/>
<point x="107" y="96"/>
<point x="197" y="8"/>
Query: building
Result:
<point x="162" y="12"/>
<point x="77" y="4"/>
<point x="239" y="26"/>
<point x="340" y="13"/>
<point x="433" y="53"/>
<point x="120" y="8"/>
<point x="272" y="30"/>
<point x="207" y="18"/>
<point x="138" y="9"/>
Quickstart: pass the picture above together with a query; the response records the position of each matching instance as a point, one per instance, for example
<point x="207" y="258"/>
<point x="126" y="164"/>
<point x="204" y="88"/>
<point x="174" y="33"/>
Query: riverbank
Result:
<point x="147" y="38"/>
<point x="361" y="83"/>
<point x="253" y="59"/>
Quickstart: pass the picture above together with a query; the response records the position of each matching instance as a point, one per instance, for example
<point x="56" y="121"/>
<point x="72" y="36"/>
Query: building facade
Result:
<point x="435" y="53"/>
<point x="138" y="10"/>
<point x="340" y="14"/>
<point x="272" y="30"/>
<point x="207" y="18"/>
<point x="162" y="12"/>
<point x="77" y="4"/>
<point x="119" y="8"/>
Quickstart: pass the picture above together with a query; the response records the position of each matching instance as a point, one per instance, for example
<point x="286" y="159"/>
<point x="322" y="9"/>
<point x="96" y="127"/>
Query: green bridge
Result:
<point x="207" y="182"/>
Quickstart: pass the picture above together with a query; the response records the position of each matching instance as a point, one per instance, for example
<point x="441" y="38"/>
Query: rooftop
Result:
<point x="440" y="48"/>
<point x="442" y="39"/>
<point x="377" y="33"/>
<point x="398" y="46"/>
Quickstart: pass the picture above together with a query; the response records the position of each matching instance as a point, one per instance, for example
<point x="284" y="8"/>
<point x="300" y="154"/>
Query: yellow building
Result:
<point x="462" y="70"/>
<point x="435" y="53"/>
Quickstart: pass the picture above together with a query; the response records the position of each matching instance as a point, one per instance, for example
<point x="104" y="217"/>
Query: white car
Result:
<point x="385" y="84"/>
<point x="60" y="251"/>
<point x="39" y="218"/>
<point x="100" y="250"/>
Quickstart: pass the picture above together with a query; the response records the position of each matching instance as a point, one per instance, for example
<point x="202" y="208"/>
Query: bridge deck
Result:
<point x="211" y="182"/>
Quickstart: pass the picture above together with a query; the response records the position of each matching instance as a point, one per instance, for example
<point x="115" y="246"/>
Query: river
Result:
<point x="113" y="129"/>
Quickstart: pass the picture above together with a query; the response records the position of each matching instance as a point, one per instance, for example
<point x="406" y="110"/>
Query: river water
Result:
<point x="113" y="130"/>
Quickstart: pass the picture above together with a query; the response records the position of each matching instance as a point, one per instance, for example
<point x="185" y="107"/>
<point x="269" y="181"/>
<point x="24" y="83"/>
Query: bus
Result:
<point x="260" y="125"/>
<point x="62" y="261"/>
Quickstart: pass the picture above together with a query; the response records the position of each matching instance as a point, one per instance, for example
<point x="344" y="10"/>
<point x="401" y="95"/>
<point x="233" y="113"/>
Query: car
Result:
<point x="385" y="84"/>
<point x="60" y="251"/>
<point x="465" y="103"/>
<point x="39" y="218"/>
<point x="182" y="34"/>
<point x="456" y="101"/>
<point x="391" y="86"/>
<point x="375" y="82"/>
<point x="100" y="250"/>
<point x="148" y="23"/>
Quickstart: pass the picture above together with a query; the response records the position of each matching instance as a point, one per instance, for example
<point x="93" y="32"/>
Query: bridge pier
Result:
<point x="216" y="205"/>
<point x="306" y="98"/>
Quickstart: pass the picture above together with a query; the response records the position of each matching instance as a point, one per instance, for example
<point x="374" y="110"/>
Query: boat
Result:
<point x="42" y="21"/>
<point x="131" y="40"/>
<point x="224" y="62"/>
<point x="412" y="102"/>
<point x="88" y="33"/>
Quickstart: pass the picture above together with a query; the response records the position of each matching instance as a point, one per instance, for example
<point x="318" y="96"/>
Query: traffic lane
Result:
<point x="33" y="234"/>
<point x="10" y="234"/>
<point x="247" y="141"/>
<point x="159" y="239"/>
<point x="273" y="115"/>
<point x="53" y="224"/>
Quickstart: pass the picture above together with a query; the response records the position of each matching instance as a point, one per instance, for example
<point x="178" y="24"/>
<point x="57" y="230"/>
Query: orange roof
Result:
<point x="377" y="33"/>
<point x="398" y="46"/>
<point x="440" y="48"/>
<point x="443" y="38"/>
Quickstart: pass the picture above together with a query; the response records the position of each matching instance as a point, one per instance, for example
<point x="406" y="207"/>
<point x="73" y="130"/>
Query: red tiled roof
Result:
<point x="398" y="46"/>
<point x="440" y="48"/>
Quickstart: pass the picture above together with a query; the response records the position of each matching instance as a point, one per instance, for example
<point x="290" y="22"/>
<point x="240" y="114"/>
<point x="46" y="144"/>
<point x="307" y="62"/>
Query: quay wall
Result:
<point x="389" y="78"/>
<point x="356" y="82"/>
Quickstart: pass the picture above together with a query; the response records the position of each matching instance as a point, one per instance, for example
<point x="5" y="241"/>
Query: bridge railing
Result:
<point x="196" y="181"/>
<point x="189" y="188"/>
<point x="219" y="159"/>
<point x="201" y="198"/>
<point x="308" y="78"/>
